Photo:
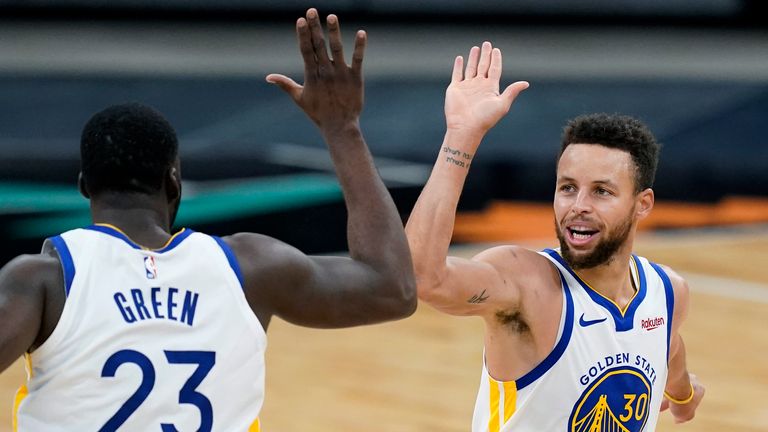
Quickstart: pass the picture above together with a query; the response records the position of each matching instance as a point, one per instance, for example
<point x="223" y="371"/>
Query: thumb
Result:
<point x="286" y="84"/>
<point x="511" y="92"/>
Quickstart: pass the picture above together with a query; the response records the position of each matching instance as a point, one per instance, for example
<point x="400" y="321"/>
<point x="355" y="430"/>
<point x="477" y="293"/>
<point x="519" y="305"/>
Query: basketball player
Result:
<point x="126" y="326"/>
<point x="580" y="338"/>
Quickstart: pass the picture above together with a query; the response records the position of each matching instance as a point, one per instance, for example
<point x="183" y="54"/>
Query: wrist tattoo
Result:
<point x="478" y="298"/>
<point x="457" y="157"/>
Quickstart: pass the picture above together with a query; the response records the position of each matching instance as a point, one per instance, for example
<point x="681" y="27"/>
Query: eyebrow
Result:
<point x="602" y="182"/>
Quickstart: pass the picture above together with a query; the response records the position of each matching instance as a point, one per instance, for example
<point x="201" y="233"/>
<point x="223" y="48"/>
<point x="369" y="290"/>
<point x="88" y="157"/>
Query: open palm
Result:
<point x="472" y="101"/>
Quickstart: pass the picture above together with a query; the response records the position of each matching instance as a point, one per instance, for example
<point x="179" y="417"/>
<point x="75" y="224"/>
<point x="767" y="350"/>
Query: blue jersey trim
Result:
<point x="559" y="349"/>
<point x="114" y="233"/>
<point x="670" y="293"/>
<point x="66" y="262"/>
<point x="175" y="240"/>
<point x="232" y="259"/>
<point x="623" y="322"/>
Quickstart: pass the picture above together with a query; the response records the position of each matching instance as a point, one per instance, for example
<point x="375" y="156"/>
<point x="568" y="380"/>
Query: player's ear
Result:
<point x="81" y="186"/>
<point x="173" y="184"/>
<point x="645" y="201"/>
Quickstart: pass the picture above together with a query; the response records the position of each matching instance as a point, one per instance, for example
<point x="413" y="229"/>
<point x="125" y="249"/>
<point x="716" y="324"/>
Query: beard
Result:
<point x="603" y="252"/>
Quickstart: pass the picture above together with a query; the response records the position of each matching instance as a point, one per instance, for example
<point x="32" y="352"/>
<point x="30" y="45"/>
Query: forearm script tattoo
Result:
<point x="457" y="157"/>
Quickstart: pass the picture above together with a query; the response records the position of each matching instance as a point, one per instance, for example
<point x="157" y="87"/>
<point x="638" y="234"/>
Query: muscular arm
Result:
<point x="23" y="303"/>
<point x="317" y="291"/>
<point x="376" y="282"/>
<point x="680" y="382"/>
<point x="472" y="106"/>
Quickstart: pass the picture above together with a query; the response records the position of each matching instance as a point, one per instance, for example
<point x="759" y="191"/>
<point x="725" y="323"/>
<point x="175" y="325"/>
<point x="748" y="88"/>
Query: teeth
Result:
<point x="579" y="228"/>
<point x="579" y="236"/>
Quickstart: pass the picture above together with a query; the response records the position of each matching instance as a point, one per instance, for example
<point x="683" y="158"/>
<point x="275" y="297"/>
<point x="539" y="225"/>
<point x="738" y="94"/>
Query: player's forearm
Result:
<point x="678" y="381"/>
<point x="430" y="225"/>
<point x="374" y="229"/>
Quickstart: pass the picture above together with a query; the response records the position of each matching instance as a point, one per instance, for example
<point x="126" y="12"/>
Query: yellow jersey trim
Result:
<point x="28" y="366"/>
<point x="510" y="399"/>
<point x="255" y="426"/>
<point x="495" y="396"/>
<point x="21" y="393"/>
<point x="142" y="247"/>
<point x="500" y="412"/>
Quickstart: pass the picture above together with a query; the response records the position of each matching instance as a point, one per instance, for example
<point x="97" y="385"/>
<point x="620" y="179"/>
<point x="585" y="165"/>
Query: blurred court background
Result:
<point x="695" y="70"/>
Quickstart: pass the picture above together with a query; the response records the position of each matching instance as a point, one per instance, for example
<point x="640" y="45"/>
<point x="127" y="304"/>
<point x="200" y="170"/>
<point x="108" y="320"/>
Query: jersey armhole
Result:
<point x="232" y="259"/>
<point x="64" y="323"/>
<point x="560" y="346"/>
<point x="670" y="294"/>
<point x="67" y="265"/>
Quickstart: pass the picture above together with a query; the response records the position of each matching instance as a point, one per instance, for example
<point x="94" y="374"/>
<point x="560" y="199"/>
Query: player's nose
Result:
<point x="582" y="203"/>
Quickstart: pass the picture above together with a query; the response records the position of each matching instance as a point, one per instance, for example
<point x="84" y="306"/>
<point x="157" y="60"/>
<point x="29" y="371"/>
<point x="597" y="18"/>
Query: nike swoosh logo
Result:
<point x="587" y="323"/>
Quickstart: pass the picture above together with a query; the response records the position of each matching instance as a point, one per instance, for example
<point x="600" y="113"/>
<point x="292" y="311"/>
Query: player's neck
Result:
<point x="144" y="219"/>
<point x="612" y="279"/>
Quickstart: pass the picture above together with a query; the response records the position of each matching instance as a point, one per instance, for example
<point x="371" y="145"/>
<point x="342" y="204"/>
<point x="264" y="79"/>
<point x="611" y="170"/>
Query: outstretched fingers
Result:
<point x="334" y="40"/>
<point x="458" y="65"/>
<point x="318" y="40"/>
<point x="474" y="56"/>
<point x="485" y="60"/>
<point x="361" y="39"/>
<point x="494" y="71"/>
<point x="305" y="46"/>
<point x="332" y="92"/>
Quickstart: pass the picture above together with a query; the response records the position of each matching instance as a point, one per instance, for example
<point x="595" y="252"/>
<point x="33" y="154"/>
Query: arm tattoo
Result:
<point x="457" y="157"/>
<point x="478" y="298"/>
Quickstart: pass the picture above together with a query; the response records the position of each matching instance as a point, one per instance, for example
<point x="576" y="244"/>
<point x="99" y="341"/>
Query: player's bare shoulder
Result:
<point x="267" y="262"/>
<point x="32" y="287"/>
<point x="519" y="265"/>
<point x="254" y="245"/>
<point x="679" y="283"/>
<point x="32" y="272"/>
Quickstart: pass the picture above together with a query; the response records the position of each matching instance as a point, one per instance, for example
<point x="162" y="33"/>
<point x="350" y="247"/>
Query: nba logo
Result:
<point x="150" y="267"/>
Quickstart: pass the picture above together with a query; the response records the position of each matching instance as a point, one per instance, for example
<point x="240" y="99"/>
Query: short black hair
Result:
<point x="127" y="148"/>
<point x="620" y="132"/>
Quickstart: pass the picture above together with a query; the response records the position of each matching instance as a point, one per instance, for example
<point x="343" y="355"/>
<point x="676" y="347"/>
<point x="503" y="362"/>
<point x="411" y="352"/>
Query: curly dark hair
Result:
<point x="620" y="132"/>
<point x="127" y="148"/>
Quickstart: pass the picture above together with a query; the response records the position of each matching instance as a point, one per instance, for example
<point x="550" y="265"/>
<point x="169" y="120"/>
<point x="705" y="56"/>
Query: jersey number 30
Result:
<point x="187" y="395"/>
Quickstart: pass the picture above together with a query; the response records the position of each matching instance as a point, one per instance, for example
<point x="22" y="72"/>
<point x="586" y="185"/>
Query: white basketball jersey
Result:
<point x="607" y="370"/>
<point x="159" y="340"/>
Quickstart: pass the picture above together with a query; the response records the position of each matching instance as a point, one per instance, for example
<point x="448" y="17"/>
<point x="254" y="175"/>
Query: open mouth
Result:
<point x="580" y="235"/>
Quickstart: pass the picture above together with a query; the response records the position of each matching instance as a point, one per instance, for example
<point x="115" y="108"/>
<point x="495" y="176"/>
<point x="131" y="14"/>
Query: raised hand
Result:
<point x="332" y="94"/>
<point x="472" y="102"/>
